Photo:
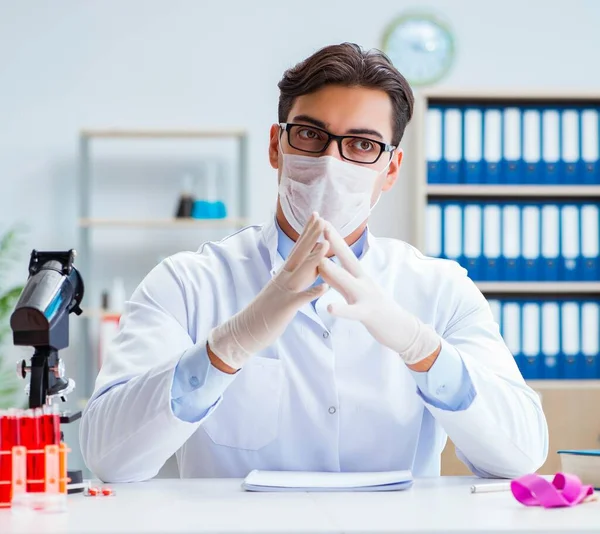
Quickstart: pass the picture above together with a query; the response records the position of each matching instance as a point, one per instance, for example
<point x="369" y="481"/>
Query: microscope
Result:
<point x="53" y="291"/>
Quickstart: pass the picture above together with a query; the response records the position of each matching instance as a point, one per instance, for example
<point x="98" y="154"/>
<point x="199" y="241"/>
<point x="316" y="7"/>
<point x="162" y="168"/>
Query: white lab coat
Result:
<point x="326" y="396"/>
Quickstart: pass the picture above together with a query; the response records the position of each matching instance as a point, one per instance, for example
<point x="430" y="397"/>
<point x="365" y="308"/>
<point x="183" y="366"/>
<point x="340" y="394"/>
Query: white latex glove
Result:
<point x="366" y="302"/>
<point x="259" y="324"/>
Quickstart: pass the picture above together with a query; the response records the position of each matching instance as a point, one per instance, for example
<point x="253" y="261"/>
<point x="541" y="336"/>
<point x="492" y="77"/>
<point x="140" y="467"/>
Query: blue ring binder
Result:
<point x="519" y="171"/>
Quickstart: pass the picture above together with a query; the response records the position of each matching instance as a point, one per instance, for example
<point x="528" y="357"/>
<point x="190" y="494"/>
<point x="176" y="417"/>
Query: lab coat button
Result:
<point x="332" y="410"/>
<point x="194" y="382"/>
<point x="325" y="334"/>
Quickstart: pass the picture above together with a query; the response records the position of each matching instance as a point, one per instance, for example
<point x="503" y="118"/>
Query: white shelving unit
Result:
<point x="162" y="134"/>
<point x="569" y="426"/>
<point x="540" y="288"/>
<point x="87" y="224"/>
<point x="229" y="222"/>
<point x="552" y="385"/>
<point x="512" y="191"/>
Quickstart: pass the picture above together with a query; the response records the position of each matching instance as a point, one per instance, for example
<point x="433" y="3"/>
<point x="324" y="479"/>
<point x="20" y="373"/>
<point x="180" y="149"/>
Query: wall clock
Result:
<point x="420" y="46"/>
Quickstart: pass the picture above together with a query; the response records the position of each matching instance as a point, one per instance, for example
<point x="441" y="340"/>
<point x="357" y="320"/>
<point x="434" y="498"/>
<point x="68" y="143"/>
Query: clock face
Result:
<point x="420" y="47"/>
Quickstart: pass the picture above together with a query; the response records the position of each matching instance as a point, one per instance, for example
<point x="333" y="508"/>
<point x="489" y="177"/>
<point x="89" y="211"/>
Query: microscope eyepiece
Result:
<point x="54" y="290"/>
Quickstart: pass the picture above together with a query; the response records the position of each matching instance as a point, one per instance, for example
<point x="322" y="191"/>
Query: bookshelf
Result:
<point x="539" y="288"/>
<point x="509" y="191"/>
<point x="87" y="224"/>
<point x="229" y="222"/>
<point x="563" y="398"/>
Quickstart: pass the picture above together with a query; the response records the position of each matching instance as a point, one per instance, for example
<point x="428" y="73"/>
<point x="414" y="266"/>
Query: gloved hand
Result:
<point x="259" y="324"/>
<point x="366" y="302"/>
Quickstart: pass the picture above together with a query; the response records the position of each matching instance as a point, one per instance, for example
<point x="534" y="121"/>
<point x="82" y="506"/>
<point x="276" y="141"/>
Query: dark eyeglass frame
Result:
<point x="287" y="126"/>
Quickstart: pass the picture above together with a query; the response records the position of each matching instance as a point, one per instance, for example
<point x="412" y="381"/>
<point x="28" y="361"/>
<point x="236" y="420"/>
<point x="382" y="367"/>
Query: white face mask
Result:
<point x="337" y="190"/>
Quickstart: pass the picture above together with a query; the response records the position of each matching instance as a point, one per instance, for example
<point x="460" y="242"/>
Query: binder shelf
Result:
<point x="517" y="240"/>
<point x="509" y="187"/>
<point x="551" y="338"/>
<point x="486" y="140"/>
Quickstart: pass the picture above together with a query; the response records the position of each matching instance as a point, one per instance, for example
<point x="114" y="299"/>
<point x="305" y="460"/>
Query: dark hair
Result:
<point x="349" y="65"/>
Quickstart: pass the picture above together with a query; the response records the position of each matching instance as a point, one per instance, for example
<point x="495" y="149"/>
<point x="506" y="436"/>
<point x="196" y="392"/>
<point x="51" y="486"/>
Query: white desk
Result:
<point x="431" y="505"/>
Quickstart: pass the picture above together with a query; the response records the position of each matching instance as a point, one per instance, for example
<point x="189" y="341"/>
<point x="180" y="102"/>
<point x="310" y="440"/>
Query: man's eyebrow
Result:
<point x="324" y="125"/>
<point x="311" y="120"/>
<point x="365" y="131"/>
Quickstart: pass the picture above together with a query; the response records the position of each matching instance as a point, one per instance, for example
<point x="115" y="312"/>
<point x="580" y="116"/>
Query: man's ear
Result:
<point x="274" y="146"/>
<point x="392" y="173"/>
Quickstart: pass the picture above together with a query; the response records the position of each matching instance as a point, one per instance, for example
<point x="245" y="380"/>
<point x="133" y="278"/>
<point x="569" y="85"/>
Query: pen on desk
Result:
<point x="488" y="488"/>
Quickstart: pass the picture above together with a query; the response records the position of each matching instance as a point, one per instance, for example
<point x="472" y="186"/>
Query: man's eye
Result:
<point x="307" y="133"/>
<point x="363" y="145"/>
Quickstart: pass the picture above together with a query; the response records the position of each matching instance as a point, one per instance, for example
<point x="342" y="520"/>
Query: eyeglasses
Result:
<point x="314" y="140"/>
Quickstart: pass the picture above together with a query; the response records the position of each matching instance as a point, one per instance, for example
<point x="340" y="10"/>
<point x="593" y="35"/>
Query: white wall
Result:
<point x="72" y="64"/>
<point x="68" y="64"/>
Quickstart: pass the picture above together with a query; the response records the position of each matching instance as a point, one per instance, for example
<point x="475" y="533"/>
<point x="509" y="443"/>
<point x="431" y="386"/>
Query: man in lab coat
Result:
<point x="306" y="343"/>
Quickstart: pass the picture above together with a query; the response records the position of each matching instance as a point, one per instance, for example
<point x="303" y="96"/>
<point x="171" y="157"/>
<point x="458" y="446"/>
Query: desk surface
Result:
<point x="431" y="505"/>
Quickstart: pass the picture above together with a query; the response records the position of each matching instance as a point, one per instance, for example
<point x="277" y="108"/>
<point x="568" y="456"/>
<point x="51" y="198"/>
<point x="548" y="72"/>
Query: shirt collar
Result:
<point x="280" y="245"/>
<point x="285" y="243"/>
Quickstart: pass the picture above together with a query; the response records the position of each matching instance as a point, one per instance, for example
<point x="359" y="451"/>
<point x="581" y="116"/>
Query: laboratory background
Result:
<point x="131" y="130"/>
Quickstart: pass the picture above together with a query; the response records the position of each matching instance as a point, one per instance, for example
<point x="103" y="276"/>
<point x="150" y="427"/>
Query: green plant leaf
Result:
<point x="9" y="383"/>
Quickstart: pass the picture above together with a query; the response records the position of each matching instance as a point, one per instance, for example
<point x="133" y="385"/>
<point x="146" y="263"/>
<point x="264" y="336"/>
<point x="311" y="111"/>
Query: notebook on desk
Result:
<point x="259" y="480"/>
